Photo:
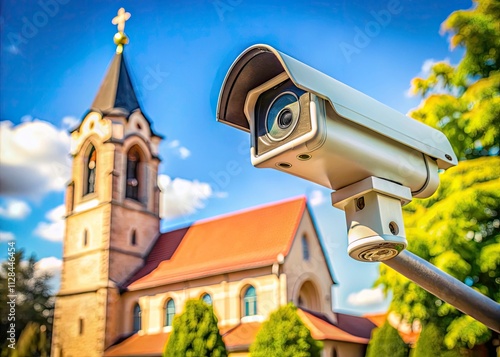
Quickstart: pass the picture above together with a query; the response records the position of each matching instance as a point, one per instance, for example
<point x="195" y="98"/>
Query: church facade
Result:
<point x="123" y="281"/>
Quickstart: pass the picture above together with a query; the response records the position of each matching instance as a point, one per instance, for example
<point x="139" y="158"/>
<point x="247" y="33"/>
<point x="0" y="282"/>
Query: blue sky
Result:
<point x="54" y="54"/>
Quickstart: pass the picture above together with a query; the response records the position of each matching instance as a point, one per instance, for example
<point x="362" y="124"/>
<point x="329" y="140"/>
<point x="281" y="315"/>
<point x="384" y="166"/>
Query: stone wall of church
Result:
<point x="87" y="234"/>
<point x="79" y="325"/>
<point x="226" y="292"/>
<point x="314" y="270"/>
<point x="113" y="317"/>
<point x="343" y="349"/>
<point x="132" y="234"/>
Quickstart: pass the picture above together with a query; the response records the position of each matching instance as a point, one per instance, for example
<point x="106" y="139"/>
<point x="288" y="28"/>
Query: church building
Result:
<point x="123" y="281"/>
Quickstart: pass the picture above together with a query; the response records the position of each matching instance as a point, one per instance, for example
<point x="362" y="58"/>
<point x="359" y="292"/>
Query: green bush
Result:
<point x="386" y="341"/>
<point x="195" y="333"/>
<point x="285" y="335"/>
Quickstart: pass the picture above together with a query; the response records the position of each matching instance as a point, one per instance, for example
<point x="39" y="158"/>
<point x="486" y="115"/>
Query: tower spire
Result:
<point x="119" y="20"/>
<point x="117" y="90"/>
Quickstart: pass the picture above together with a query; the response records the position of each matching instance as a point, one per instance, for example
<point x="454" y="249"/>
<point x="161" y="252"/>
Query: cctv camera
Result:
<point x="310" y="125"/>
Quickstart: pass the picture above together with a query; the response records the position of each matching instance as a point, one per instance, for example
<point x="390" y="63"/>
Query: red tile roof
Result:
<point x="139" y="345"/>
<point x="377" y="318"/>
<point x="324" y="330"/>
<point x="163" y="249"/>
<point x="356" y="325"/>
<point x="240" y="337"/>
<point x="228" y="243"/>
<point x="405" y="330"/>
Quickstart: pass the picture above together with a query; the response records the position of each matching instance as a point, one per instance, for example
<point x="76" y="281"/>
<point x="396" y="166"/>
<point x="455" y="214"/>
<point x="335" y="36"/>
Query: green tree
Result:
<point x="463" y="100"/>
<point x="32" y="341"/>
<point x="34" y="301"/>
<point x="195" y="333"/>
<point x="430" y="343"/>
<point x="386" y="341"/>
<point x="458" y="228"/>
<point x="285" y="335"/>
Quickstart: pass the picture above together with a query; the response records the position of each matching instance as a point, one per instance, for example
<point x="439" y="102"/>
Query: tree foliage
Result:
<point x="431" y="339"/>
<point x="463" y="101"/>
<point x="195" y="333"/>
<point x="285" y="335"/>
<point x="32" y="341"/>
<point x="386" y="341"/>
<point x="34" y="299"/>
<point x="458" y="228"/>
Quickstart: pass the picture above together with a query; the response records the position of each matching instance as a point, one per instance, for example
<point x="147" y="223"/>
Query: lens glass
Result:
<point x="285" y="118"/>
<point x="282" y="116"/>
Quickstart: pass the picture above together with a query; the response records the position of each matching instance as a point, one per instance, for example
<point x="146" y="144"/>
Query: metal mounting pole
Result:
<point x="447" y="288"/>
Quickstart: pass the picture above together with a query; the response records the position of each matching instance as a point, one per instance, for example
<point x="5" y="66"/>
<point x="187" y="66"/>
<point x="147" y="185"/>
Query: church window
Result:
<point x="80" y="326"/>
<point x="207" y="299"/>
<point x="169" y="312"/>
<point x="85" y="238"/>
<point x="90" y="170"/>
<point x="133" y="238"/>
<point x="133" y="174"/>
<point x="137" y="318"/>
<point x="250" y="302"/>
<point x="305" y="248"/>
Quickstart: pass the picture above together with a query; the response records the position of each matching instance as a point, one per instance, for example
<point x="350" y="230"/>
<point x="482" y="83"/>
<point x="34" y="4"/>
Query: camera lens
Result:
<point x="285" y="118"/>
<point x="282" y="116"/>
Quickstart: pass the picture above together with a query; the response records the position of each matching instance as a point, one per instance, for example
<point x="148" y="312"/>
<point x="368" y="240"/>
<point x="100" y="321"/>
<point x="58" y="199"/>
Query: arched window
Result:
<point x="85" y="238"/>
<point x="133" y="174"/>
<point x="250" y="302"/>
<point x="90" y="170"/>
<point x="133" y="238"/>
<point x="169" y="312"/>
<point x="207" y="299"/>
<point x="305" y="248"/>
<point x="137" y="318"/>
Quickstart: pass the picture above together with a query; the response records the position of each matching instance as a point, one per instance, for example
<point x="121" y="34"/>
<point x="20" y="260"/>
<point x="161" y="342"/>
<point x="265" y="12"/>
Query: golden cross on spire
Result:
<point x="120" y="19"/>
<point x="120" y="37"/>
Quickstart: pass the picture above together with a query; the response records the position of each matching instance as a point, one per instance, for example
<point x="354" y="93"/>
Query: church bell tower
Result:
<point x="112" y="207"/>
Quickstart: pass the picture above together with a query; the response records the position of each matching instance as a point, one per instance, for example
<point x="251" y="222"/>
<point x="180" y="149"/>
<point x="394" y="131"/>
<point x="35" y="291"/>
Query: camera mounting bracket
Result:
<point x="374" y="218"/>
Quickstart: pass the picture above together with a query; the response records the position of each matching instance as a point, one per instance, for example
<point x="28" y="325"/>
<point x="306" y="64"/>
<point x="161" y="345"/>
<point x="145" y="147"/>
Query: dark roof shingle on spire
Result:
<point x="116" y="90"/>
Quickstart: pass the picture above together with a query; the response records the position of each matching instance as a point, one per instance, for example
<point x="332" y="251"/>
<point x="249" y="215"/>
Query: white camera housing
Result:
<point x="310" y="125"/>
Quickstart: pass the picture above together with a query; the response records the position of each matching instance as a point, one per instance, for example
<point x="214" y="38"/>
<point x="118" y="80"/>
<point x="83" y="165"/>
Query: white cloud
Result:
<point x="316" y="198"/>
<point x="179" y="150"/>
<point x="15" y="209"/>
<point x="366" y="297"/>
<point x="52" y="266"/>
<point x="70" y="122"/>
<point x="184" y="152"/>
<point x="54" y="229"/>
<point x="426" y="67"/>
<point x="180" y="197"/>
<point x="35" y="158"/>
<point x="174" y="144"/>
<point x="6" y="236"/>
